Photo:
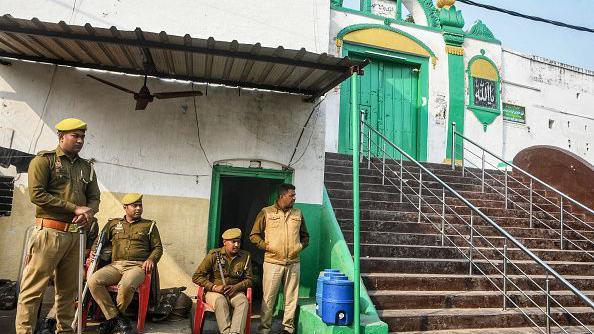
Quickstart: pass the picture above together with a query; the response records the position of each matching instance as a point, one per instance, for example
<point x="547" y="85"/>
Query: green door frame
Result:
<point x="364" y="51"/>
<point x="215" y="194"/>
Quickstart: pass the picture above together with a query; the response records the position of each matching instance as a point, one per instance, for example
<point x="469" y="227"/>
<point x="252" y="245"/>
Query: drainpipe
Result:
<point x="356" y="131"/>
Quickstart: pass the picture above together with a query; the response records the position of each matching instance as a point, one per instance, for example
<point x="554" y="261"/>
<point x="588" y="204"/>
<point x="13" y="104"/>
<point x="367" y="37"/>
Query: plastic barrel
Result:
<point x="337" y="302"/>
<point x="324" y="276"/>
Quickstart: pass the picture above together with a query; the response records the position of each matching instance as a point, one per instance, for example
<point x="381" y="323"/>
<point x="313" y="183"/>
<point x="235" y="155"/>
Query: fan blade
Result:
<point x="111" y="84"/>
<point x="141" y="104"/>
<point x="172" y="95"/>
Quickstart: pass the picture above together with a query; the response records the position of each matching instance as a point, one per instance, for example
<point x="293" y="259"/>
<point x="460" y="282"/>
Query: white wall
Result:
<point x="550" y="91"/>
<point x="292" y="24"/>
<point x="253" y="125"/>
<point x="438" y="84"/>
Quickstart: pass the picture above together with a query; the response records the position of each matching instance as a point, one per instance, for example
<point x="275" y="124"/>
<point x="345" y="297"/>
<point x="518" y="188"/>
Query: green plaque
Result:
<point x="513" y="113"/>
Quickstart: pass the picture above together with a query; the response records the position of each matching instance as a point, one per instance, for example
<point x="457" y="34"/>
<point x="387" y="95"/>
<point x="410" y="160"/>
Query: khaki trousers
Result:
<point x="229" y="323"/>
<point x="127" y="274"/>
<point x="274" y="276"/>
<point x="51" y="251"/>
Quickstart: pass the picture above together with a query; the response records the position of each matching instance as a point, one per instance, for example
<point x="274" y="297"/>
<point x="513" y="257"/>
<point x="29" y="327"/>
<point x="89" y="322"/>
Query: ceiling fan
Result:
<point x="144" y="96"/>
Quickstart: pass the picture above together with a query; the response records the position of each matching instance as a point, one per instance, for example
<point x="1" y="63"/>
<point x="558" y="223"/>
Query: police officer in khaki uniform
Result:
<point x="136" y="249"/>
<point x="280" y="231"/>
<point x="66" y="194"/>
<point x="235" y="265"/>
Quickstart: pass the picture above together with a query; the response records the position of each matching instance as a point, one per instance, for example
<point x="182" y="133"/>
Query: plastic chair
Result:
<point x="202" y="306"/>
<point x="143" y="290"/>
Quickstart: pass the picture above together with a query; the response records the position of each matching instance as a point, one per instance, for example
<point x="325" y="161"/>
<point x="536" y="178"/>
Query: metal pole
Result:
<point x="531" y="203"/>
<point x="369" y="148"/>
<point x="505" y="275"/>
<point x="356" y="227"/>
<point x="361" y="136"/>
<point x="443" y="216"/>
<point x="483" y="172"/>
<point x="561" y="219"/>
<point x="420" y="191"/>
<point x="547" y="288"/>
<point x="462" y="158"/>
<point x="401" y="177"/>
<point x="506" y="188"/>
<point x="81" y="273"/>
<point x="453" y="146"/>
<point x="384" y="164"/>
<point x="471" y="242"/>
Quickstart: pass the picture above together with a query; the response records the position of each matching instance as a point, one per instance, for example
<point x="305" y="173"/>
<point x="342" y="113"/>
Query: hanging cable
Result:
<point x="314" y="110"/>
<point x="198" y="127"/>
<point x="40" y="121"/>
<point x="529" y="17"/>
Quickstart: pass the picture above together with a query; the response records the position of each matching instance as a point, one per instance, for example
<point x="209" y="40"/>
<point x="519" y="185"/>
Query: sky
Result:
<point x="561" y="44"/>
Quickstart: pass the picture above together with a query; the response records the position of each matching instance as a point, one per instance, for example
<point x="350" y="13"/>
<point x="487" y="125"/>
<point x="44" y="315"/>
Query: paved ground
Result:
<point x="181" y="326"/>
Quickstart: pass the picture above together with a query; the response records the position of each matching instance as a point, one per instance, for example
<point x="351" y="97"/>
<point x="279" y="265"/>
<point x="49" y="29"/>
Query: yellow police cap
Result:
<point x="71" y="124"/>
<point x="131" y="198"/>
<point x="232" y="233"/>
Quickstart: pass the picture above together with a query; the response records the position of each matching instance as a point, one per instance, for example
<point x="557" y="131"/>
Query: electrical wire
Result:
<point x="44" y="110"/>
<point x="318" y="113"/>
<point x="147" y="170"/>
<point x="529" y="17"/>
<point x="198" y="127"/>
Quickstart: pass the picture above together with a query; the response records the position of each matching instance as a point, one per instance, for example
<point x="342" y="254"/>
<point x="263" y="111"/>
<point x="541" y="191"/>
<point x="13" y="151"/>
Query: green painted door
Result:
<point x="388" y="95"/>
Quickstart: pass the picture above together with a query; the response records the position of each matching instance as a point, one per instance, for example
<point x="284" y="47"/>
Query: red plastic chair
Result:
<point x="202" y="306"/>
<point x="143" y="290"/>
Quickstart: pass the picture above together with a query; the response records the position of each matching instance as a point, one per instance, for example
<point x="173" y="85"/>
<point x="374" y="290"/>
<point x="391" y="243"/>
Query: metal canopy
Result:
<point x="174" y="57"/>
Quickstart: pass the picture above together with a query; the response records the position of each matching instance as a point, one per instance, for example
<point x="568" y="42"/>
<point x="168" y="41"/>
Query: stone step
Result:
<point x="444" y="252"/>
<point x="454" y="318"/>
<point x="408" y="215"/>
<point x="483" y="229"/>
<point x="457" y="282"/>
<point x="481" y="265"/>
<point x="397" y="299"/>
<point x="390" y="238"/>
<point x="512" y="330"/>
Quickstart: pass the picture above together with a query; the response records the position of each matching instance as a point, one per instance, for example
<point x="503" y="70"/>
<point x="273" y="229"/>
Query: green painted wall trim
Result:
<point x="452" y="22"/>
<point x="428" y="8"/>
<point x="456" y="98"/>
<point x="351" y="50"/>
<point x="387" y="20"/>
<point x="485" y="115"/>
<point x="364" y="26"/>
<point x="215" y="195"/>
<point x="481" y="31"/>
<point x="334" y="252"/>
<point x="310" y="323"/>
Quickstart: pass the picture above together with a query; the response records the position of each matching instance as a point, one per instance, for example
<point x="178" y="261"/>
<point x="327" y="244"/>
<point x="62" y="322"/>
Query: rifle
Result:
<point x="77" y="322"/>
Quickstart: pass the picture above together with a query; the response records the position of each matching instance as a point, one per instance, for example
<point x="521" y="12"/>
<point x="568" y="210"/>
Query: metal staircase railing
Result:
<point x="414" y="187"/>
<point x="536" y="201"/>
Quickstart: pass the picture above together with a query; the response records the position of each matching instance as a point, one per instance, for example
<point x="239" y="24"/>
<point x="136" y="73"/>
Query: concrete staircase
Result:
<point x="419" y="286"/>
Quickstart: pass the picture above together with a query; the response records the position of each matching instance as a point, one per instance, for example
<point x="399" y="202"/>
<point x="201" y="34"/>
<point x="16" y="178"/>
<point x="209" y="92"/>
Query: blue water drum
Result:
<point x="324" y="276"/>
<point x="337" y="302"/>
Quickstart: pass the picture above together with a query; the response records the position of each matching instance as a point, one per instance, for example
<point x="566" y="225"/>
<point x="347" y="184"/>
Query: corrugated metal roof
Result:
<point x="175" y="57"/>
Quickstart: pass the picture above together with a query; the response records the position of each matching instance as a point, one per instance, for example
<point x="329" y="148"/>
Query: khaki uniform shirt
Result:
<point x="281" y="234"/>
<point x="58" y="184"/>
<point x="135" y="241"/>
<point x="237" y="270"/>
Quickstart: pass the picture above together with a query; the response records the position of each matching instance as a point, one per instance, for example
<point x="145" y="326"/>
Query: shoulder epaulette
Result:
<point x="40" y="153"/>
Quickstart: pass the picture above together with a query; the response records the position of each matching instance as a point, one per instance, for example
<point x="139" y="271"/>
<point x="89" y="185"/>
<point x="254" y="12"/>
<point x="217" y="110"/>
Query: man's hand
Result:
<point x="83" y="215"/>
<point x="219" y="288"/>
<point x="148" y="266"/>
<point x="231" y="290"/>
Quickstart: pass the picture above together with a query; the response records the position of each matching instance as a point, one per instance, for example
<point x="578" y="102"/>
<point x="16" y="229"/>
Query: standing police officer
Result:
<point x="66" y="194"/>
<point x="280" y="231"/>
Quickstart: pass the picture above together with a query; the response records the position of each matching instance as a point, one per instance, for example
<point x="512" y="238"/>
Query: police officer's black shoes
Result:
<point x="46" y="326"/>
<point x="118" y="324"/>
<point x="123" y="325"/>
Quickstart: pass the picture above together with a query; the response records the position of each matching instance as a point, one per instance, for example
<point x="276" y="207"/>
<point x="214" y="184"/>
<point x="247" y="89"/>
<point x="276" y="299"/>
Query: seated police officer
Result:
<point x="226" y="274"/>
<point x="136" y="249"/>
